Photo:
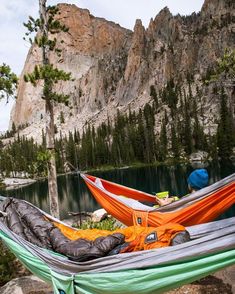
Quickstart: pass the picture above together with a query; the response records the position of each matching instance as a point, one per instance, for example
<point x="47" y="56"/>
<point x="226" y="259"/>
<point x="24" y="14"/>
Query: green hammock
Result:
<point x="154" y="271"/>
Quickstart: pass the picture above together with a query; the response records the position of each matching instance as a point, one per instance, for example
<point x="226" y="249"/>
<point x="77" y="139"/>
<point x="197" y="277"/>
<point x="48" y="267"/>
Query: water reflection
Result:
<point x="74" y="195"/>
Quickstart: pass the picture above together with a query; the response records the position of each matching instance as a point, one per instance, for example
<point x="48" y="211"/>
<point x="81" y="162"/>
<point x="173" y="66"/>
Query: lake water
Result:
<point x="74" y="195"/>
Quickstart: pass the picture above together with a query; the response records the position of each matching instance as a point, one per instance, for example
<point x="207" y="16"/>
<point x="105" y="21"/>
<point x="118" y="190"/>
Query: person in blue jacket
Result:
<point x="197" y="180"/>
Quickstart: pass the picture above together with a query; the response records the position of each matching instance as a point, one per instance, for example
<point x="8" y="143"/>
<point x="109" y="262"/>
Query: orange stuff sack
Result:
<point x="151" y="238"/>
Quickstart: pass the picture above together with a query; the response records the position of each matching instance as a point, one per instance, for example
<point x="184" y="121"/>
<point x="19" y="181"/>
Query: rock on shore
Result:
<point x="13" y="183"/>
<point x="26" y="285"/>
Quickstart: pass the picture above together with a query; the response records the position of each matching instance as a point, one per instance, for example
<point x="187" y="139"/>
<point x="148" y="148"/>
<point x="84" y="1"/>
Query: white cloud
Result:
<point x="125" y="12"/>
<point x="15" y="10"/>
<point x="13" y="13"/>
<point x="5" y="109"/>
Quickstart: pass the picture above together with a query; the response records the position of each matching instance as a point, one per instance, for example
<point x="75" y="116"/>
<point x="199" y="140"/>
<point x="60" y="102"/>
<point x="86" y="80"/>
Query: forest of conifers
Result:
<point x="129" y="138"/>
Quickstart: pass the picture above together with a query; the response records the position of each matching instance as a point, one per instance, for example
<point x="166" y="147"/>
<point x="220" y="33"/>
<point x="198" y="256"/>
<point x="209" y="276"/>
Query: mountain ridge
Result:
<point x="114" y="68"/>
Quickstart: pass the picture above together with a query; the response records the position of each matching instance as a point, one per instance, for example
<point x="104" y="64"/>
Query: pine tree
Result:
<point x="163" y="151"/>
<point x="82" y="152"/>
<point x="132" y="135"/>
<point x="70" y="149"/>
<point x="187" y="130"/>
<point x="149" y="133"/>
<point x="13" y="128"/>
<point x="224" y="73"/>
<point x="198" y="134"/>
<point x="62" y="117"/>
<point x="47" y="26"/>
<point x="153" y="94"/>
<point x="8" y="82"/>
<point x="117" y="135"/>
<point x="175" y="148"/>
<point x="140" y="140"/>
<point x="225" y="131"/>
<point x="212" y="146"/>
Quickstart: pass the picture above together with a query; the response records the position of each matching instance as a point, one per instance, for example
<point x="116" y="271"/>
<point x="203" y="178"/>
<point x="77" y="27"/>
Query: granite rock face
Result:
<point x="114" y="67"/>
<point x="94" y="51"/>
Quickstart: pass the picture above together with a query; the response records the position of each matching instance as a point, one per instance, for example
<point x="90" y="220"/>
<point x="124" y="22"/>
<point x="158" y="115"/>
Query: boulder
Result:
<point x="199" y="156"/>
<point x="99" y="215"/>
<point x="227" y="275"/>
<point x="26" y="285"/>
<point x="14" y="183"/>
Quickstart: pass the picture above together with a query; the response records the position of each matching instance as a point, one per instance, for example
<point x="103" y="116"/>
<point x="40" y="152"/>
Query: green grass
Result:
<point x="109" y="224"/>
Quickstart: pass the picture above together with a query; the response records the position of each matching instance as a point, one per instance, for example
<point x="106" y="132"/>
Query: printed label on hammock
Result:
<point x="61" y="291"/>
<point x="139" y="220"/>
<point x="152" y="237"/>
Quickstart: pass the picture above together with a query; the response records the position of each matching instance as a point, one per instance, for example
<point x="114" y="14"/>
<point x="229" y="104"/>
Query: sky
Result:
<point x="13" y="49"/>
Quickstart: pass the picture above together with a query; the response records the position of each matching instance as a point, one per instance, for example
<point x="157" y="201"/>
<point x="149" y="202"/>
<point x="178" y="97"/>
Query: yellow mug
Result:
<point x="162" y="195"/>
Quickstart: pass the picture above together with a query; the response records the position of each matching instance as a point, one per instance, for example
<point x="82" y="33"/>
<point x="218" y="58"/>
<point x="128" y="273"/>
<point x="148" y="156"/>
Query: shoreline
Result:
<point x="15" y="183"/>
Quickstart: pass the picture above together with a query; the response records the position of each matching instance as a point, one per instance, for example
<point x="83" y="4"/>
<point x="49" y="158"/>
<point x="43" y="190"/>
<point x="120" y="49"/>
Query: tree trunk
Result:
<point x="51" y="164"/>
<point x="50" y="134"/>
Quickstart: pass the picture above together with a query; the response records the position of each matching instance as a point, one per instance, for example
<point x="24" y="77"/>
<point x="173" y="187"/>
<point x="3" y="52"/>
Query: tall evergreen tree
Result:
<point x="198" y="134"/>
<point x="163" y="141"/>
<point x="225" y="131"/>
<point x="47" y="26"/>
<point x="187" y="131"/>
<point x="140" y="140"/>
<point x="153" y="94"/>
<point x="224" y="75"/>
<point x="175" y="147"/>
<point x="149" y="133"/>
<point x="8" y="82"/>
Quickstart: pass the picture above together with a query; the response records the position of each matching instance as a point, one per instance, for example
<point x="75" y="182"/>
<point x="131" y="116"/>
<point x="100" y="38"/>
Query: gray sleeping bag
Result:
<point x="30" y="224"/>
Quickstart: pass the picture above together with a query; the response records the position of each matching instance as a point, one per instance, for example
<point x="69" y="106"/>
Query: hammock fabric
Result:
<point x="158" y="270"/>
<point x="212" y="247"/>
<point x="83" y="245"/>
<point x="199" y="207"/>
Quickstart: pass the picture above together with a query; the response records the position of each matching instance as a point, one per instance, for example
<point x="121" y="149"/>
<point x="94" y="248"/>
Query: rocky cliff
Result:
<point x="114" y="67"/>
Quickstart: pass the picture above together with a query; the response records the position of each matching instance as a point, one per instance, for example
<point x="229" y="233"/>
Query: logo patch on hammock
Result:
<point x="61" y="291"/>
<point x="152" y="237"/>
<point x="139" y="220"/>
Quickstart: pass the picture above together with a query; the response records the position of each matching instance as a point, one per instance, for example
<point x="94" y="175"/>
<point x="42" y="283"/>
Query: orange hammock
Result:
<point x="199" y="207"/>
